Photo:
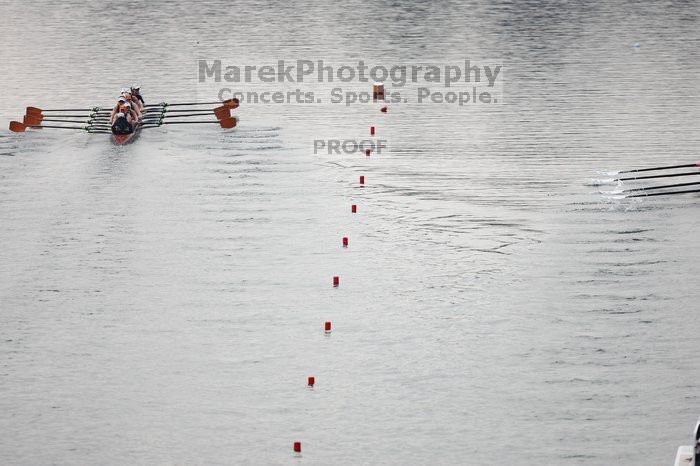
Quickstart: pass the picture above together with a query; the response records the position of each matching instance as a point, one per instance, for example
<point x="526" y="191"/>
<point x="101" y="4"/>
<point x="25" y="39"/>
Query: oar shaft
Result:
<point x="165" y="115"/>
<point x="184" y="110"/>
<point x="669" y="193"/>
<point x="657" y="176"/>
<point x="217" y="102"/>
<point x="232" y="103"/>
<point x="668" y="167"/>
<point x="151" y="124"/>
<point x="65" y="121"/>
<point x="57" y="127"/>
<point x="85" y="115"/>
<point x="158" y="116"/>
<point x="188" y="122"/>
<point x="677" y="185"/>
<point x="68" y="110"/>
<point x="153" y="117"/>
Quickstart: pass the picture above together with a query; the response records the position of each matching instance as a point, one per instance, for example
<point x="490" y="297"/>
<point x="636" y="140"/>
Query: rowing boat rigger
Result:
<point x="97" y="119"/>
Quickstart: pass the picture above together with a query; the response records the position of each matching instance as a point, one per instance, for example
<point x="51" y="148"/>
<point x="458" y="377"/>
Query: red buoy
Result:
<point x="354" y="209"/>
<point x="297" y="447"/>
<point x="327" y="327"/>
<point x="336" y="281"/>
<point x="367" y="152"/>
<point x="378" y="91"/>
<point x="345" y="241"/>
<point x="312" y="381"/>
<point x="383" y="109"/>
<point x="362" y="180"/>
<point x="371" y="130"/>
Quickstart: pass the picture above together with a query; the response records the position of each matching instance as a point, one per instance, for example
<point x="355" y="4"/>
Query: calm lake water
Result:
<point x="163" y="302"/>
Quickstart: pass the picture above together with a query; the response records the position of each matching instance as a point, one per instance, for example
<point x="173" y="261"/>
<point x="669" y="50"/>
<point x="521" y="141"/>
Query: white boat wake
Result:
<point x="601" y="181"/>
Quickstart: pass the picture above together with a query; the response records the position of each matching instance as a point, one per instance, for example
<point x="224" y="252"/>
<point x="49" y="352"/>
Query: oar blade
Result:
<point x="33" y="111"/>
<point x="222" y="112"/>
<point x="231" y="103"/>
<point x="17" y="127"/>
<point x="227" y="123"/>
<point x="31" y="120"/>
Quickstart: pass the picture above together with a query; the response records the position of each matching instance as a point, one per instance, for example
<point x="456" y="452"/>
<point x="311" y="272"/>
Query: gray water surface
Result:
<point x="163" y="302"/>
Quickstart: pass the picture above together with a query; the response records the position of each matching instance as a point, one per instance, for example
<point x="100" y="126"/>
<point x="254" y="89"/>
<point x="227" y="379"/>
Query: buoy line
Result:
<point x="378" y="95"/>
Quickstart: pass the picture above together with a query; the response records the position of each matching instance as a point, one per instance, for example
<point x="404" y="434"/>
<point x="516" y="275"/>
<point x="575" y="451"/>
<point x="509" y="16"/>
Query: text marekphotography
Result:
<point x="316" y="81"/>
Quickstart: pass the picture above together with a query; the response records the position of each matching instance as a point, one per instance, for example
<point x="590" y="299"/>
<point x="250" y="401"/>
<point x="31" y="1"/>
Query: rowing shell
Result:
<point x="99" y="121"/>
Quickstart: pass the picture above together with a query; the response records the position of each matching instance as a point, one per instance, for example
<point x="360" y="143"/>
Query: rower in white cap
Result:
<point x="123" y="118"/>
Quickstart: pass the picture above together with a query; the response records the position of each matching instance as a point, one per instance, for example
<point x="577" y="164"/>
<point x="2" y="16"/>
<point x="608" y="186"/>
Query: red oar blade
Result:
<point x="17" y="127"/>
<point x="228" y="123"/>
<point x="222" y="112"/>
<point x="33" y="111"/>
<point x="32" y="120"/>
<point x="231" y="103"/>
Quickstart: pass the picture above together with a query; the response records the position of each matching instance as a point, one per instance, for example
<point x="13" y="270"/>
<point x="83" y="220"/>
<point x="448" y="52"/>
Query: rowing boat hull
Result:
<point x="121" y="139"/>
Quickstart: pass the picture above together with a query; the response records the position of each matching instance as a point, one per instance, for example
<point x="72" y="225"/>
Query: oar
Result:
<point x="159" y="116"/>
<point x="39" y="111"/>
<point x="232" y="103"/>
<point x="18" y="127"/>
<point x="667" y="167"/>
<point x="185" y="110"/>
<point x="656" y="176"/>
<point x="225" y="123"/>
<point x="650" y="188"/>
<point x="162" y="121"/>
<point x="31" y="120"/>
<point x="48" y="118"/>
<point x="668" y="193"/>
<point x="220" y="114"/>
<point x="85" y="115"/>
<point x="223" y="110"/>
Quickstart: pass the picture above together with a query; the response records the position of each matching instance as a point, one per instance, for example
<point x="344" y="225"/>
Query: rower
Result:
<point x="124" y="121"/>
<point x="136" y="103"/>
<point x="133" y="116"/>
<point x="136" y="92"/>
<point x="120" y="101"/>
